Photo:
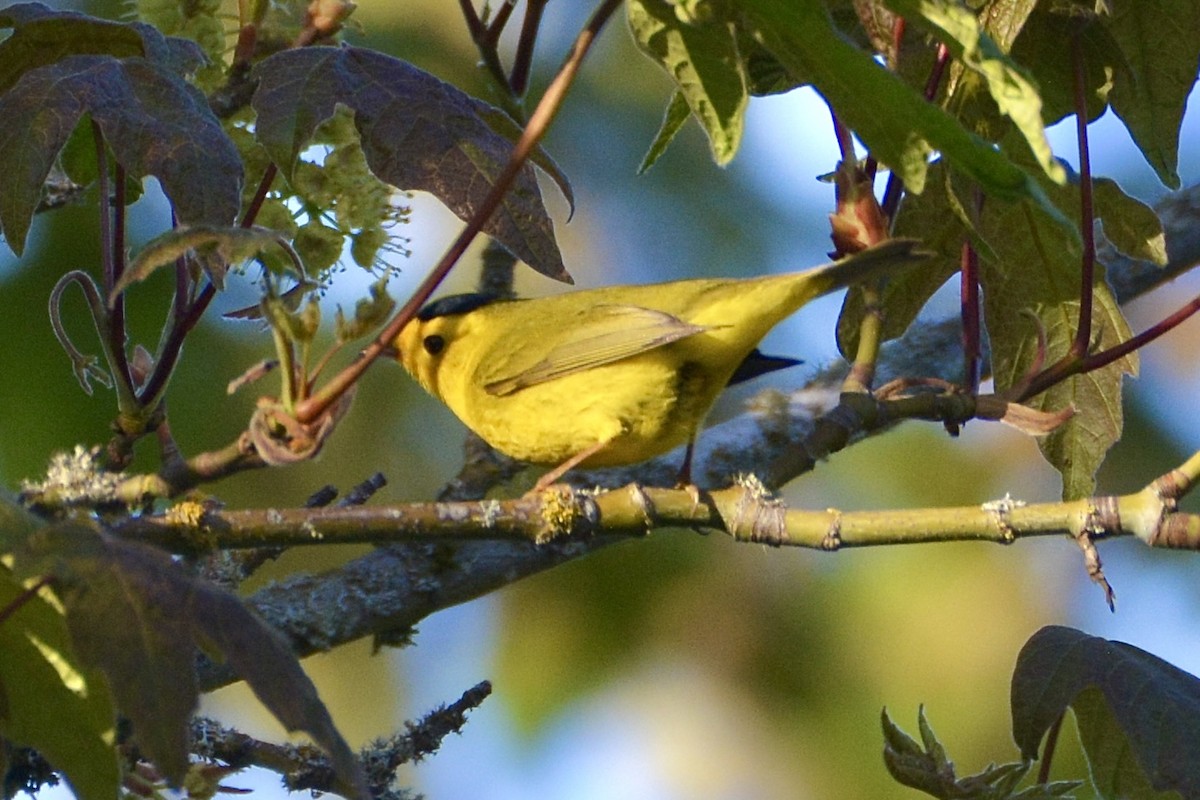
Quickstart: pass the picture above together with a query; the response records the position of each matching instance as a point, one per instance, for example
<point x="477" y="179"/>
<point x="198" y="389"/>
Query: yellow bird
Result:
<point x="609" y="376"/>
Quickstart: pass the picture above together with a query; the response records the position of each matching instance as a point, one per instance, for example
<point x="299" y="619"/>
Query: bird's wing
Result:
<point x="607" y="333"/>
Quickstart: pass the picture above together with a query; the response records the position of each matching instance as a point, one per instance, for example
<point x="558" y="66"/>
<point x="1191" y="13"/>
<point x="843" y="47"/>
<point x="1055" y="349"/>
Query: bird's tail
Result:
<point x="874" y="262"/>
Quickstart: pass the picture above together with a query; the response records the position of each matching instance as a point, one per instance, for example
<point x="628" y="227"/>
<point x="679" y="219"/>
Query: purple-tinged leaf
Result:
<point x="1138" y="716"/>
<point x="155" y="123"/>
<point x="417" y="133"/>
<point x="42" y="35"/>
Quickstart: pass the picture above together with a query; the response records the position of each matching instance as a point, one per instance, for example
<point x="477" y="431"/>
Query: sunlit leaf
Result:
<point x="676" y="114"/>
<point x="703" y="60"/>
<point x="1007" y="83"/>
<point x="898" y="126"/>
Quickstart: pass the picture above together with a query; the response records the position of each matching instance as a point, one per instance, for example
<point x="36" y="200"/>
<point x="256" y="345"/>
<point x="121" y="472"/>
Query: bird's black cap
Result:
<point x="455" y="304"/>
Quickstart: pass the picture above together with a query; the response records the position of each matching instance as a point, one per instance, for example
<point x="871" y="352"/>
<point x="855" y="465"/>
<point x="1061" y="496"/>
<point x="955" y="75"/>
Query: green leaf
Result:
<point x="1038" y="274"/>
<point x="417" y="133"/>
<point x="295" y="322"/>
<point x="369" y="313"/>
<point x="155" y="123"/>
<point x="1132" y="226"/>
<point x="319" y="245"/>
<point x="1045" y="47"/>
<point x="703" y="60"/>
<point x="1114" y="770"/>
<point x="1138" y="716"/>
<point x="138" y="616"/>
<point x="215" y="247"/>
<point x="676" y="114"/>
<point x="51" y="703"/>
<point x="1007" y="83"/>
<point x="893" y="120"/>
<point x="365" y="246"/>
<point x="938" y="219"/>
<point x="1160" y="40"/>
<point x="926" y="767"/>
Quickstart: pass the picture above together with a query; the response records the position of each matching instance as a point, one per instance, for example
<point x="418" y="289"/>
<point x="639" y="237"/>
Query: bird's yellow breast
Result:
<point x="645" y="404"/>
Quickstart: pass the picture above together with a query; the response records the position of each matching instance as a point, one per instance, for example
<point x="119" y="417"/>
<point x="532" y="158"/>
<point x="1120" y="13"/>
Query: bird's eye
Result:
<point x="434" y="344"/>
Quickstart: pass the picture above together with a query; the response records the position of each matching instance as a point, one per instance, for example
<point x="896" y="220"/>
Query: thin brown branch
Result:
<point x="1067" y="368"/>
<point x="496" y="26"/>
<point x="27" y="594"/>
<point x="1048" y="753"/>
<point x="523" y="61"/>
<point x="972" y="326"/>
<point x="116" y="263"/>
<point x="487" y="47"/>
<point x="113" y="327"/>
<point x="1075" y="360"/>
<point x="1087" y="226"/>
<point x="260" y="195"/>
<point x="1134" y="343"/>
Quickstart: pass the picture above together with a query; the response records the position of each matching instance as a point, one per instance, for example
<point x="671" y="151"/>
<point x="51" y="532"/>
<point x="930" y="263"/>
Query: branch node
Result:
<point x="832" y="540"/>
<point x="643" y="503"/>
<point x="757" y="516"/>
<point x="562" y="512"/>
<point x="1001" y="511"/>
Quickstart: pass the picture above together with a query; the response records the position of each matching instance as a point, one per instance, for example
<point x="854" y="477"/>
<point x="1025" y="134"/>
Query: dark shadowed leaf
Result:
<point x="136" y="615"/>
<point x="1160" y="40"/>
<point x="1138" y="716"/>
<point x="418" y="133"/>
<point x="155" y="123"/>
<point x="49" y="702"/>
<point x="1045" y="47"/>
<point x="42" y="36"/>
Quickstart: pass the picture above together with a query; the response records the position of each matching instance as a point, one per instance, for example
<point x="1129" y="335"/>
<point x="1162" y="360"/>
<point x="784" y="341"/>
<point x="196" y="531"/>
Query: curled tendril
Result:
<point x="85" y="367"/>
